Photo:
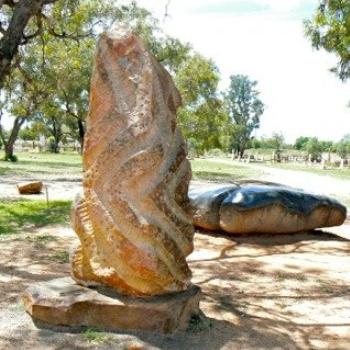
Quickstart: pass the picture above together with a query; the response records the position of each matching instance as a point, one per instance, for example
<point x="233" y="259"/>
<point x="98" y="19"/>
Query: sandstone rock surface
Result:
<point x="253" y="207"/>
<point x="134" y="222"/>
<point x="30" y="188"/>
<point x="61" y="302"/>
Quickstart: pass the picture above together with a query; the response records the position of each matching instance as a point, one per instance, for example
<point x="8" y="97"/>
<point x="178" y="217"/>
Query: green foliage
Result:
<point x="330" y="29"/>
<point x="343" y="147"/>
<point x="50" y="84"/>
<point x="244" y="109"/>
<point x="10" y="158"/>
<point x="314" y="148"/>
<point x="16" y="215"/>
<point x="202" y="118"/>
<point x="91" y="335"/>
<point x="28" y="133"/>
<point x="277" y="143"/>
<point x="300" y="142"/>
<point x="52" y="145"/>
<point x="326" y="146"/>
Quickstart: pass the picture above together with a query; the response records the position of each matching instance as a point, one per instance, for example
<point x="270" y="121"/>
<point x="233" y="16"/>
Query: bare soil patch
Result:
<point x="270" y="292"/>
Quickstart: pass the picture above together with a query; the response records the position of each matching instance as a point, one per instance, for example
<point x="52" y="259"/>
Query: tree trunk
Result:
<point x="9" y="144"/>
<point x="81" y="134"/>
<point x="56" y="148"/>
<point x="9" y="151"/>
<point x="241" y="150"/>
<point x="12" y="38"/>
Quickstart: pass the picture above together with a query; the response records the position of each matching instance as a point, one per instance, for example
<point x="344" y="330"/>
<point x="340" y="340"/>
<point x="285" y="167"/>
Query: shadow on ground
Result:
<point x="259" y="292"/>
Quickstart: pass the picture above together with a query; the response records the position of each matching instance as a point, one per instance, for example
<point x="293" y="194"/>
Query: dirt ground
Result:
<point x="270" y="292"/>
<point x="267" y="292"/>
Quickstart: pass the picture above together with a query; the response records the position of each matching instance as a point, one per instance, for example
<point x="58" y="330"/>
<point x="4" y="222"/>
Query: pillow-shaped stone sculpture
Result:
<point x="134" y="222"/>
<point x="261" y="207"/>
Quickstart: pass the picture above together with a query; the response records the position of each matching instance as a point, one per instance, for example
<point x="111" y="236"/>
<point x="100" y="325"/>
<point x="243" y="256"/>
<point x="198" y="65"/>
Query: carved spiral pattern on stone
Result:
<point x="134" y="223"/>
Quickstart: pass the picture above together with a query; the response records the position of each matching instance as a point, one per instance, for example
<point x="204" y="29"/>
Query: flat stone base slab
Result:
<point x="62" y="302"/>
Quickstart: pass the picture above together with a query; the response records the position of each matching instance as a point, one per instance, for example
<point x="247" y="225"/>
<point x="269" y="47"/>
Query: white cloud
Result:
<point x="281" y="5"/>
<point x="302" y="96"/>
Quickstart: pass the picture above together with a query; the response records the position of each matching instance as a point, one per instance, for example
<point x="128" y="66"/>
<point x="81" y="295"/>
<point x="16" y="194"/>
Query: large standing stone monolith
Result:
<point x="134" y="222"/>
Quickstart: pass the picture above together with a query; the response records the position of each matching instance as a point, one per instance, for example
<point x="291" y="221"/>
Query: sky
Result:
<point x="264" y="39"/>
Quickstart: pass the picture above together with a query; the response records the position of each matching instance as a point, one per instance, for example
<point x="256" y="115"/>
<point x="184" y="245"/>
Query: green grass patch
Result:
<point x="42" y="163"/>
<point x="337" y="173"/>
<point x="15" y="216"/>
<point x="221" y="170"/>
<point x="93" y="336"/>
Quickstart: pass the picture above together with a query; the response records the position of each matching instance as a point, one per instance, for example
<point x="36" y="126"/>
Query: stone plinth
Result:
<point x="62" y="303"/>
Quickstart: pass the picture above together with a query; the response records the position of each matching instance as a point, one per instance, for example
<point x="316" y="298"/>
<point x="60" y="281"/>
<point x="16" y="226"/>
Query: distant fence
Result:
<point x="326" y="161"/>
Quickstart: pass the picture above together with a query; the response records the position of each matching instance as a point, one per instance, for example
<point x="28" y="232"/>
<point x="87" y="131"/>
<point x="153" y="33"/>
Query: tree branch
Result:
<point x="10" y="41"/>
<point x="39" y="31"/>
<point x="63" y="35"/>
<point x="68" y="109"/>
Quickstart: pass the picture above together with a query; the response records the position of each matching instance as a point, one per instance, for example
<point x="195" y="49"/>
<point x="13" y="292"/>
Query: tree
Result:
<point x="326" y="146"/>
<point x="28" y="134"/>
<point x="301" y="142"/>
<point x="202" y="118"/>
<point x="21" y="21"/>
<point x="329" y="29"/>
<point x="277" y="142"/>
<point x="244" y="109"/>
<point x="314" y="148"/>
<point x="21" y="99"/>
<point x="343" y="147"/>
<point x="59" y="56"/>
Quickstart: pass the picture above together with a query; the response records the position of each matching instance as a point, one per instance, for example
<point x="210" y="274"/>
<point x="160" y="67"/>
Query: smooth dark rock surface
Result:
<point x="254" y="207"/>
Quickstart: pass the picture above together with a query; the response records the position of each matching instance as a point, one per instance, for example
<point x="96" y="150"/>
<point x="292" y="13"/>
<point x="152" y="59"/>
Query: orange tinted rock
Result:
<point x="30" y="188"/>
<point x="62" y="303"/>
<point x="134" y="223"/>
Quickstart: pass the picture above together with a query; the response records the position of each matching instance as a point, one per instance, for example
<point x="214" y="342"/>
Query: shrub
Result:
<point x="52" y="146"/>
<point x="12" y="158"/>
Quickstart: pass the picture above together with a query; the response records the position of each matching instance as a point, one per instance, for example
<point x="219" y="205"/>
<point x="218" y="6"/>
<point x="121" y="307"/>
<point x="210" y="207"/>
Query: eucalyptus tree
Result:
<point x="22" y="107"/>
<point x="329" y="29"/>
<point x="202" y="118"/>
<point x="244" y="109"/>
<point x="59" y="55"/>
